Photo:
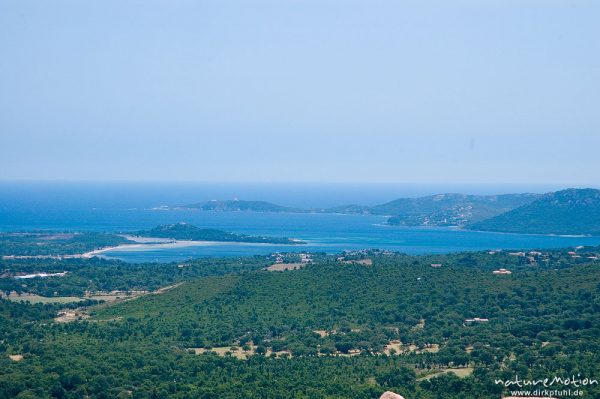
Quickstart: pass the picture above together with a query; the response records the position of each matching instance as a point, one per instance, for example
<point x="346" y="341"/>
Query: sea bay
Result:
<point x="330" y="233"/>
<point x="85" y="207"/>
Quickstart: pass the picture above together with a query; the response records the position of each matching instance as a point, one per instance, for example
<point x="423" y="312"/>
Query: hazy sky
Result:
<point x="383" y="91"/>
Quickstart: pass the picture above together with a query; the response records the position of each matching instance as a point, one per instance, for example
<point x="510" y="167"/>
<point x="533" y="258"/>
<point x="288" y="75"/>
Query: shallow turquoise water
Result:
<point x="59" y="210"/>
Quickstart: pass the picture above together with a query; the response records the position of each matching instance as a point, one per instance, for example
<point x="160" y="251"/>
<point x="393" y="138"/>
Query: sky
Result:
<point x="469" y="91"/>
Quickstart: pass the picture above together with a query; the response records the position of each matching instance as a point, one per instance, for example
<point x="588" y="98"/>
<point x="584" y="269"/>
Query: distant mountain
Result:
<point x="345" y="209"/>
<point x="185" y="231"/>
<point x="241" y="206"/>
<point x="434" y="210"/>
<point x="572" y="211"/>
<point x="449" y="209"/>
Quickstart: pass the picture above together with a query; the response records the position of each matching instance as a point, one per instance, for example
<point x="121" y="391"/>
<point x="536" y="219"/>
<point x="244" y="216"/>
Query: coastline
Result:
<point x="153" y="245"/>
<point x="141" y="244"/>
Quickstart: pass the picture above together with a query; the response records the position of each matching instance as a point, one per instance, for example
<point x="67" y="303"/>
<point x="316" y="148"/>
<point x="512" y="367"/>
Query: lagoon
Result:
<point x="328" y="233"/>
<point x="106" y="208"/>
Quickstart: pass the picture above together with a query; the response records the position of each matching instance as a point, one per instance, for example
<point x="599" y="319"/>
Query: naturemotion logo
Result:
<point x="547" y="387"/>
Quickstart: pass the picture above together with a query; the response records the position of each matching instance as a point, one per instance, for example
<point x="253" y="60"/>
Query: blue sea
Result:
<point x="128" y="207"/>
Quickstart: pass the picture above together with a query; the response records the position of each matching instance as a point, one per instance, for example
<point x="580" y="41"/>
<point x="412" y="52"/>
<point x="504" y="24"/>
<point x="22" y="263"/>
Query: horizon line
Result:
<point x="305" y="182"/>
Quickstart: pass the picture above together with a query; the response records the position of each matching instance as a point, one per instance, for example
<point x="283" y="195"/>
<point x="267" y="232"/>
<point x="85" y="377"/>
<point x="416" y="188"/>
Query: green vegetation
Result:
<point x="241" y="206"/>
<point x="449" y="209"/>
<point x="185" y="231"/>
<point x="330" y="322"/>
<point x="44" y="243"/>
<point x="97" y="274"/>
<point x="572" y="211"/>
<point x="434" y="210"/>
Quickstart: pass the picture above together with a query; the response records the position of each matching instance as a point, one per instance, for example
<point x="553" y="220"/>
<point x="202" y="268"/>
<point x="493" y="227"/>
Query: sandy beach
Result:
<point x="139" y="244"/>
<point x="149" y="245"/>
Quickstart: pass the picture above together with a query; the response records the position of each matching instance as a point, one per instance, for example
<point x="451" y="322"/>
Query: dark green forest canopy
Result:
<point x="543" y="320"/>
<point x="383" y="302"/>
<point x="97" y="274"/>
<point x="573" y="211"/>
<point x="46" y="243"/>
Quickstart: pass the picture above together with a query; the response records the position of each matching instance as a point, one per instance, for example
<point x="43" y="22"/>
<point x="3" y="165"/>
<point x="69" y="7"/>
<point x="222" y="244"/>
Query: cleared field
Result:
<point x="398" y="348"/>
<point x="461" y="372"/>
<point x="393" y="347"/>
<point x="279" y="267"/>
<point x="224" y="350"/>
<point x="98" y="296"/>
<point x="68" y="316"/>
<point x="364" y="262"/>
<point x="109" y="298"/>
<point x="32" y="298"/>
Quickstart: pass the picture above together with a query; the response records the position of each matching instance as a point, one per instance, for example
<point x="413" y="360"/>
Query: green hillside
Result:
<point x="449" y="209"/>
<point x="572" y="211"/>
<point x="398" y="298"/>
<point x="435" y="210"/>
<point x="241" y="206"/>
<point x="185" y="231"/>
<point x="329" y="330"/>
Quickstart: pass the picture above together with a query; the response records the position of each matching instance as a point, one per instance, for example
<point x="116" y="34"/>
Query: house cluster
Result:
<point x="305" y="258"/>
<point x="42" y="275"/>
<point x="576" y="254"/>
<point x="477" y="320"/>
<point x="502" y="271"/>
<point x="517" y="253"/>
<point x="532" y="256"/>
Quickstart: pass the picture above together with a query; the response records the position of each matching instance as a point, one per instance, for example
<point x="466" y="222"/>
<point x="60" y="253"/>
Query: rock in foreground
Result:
<point x="390" y="395"/>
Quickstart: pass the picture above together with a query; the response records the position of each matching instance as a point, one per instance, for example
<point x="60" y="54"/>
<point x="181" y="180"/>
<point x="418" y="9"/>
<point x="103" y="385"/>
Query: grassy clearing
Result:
<point x="461" y="372"/>
<point x="279" y="267"/>
<point x="397" y="347"/>
<point x="150" y="304"/>
<point x="364" y="262"/>
<point x="32" y="298"/>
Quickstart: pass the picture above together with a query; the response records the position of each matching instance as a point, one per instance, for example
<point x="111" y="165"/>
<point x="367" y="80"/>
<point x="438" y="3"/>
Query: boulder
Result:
<point x="390" y="395"/>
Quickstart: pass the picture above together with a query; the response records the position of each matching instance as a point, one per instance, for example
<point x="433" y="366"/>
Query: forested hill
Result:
<point x="435" y="210"/>
<point x="241" y="206"/>
<point x="449" y="209"/>
<point x="351" y="326"/>
<point x="185" y="231"/>
<point x="571" y="211"/>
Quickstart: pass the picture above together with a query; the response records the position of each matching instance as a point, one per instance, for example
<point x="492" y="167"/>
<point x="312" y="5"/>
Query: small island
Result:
<point x="241" y="206"/>
<point x="186" y="231"/>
